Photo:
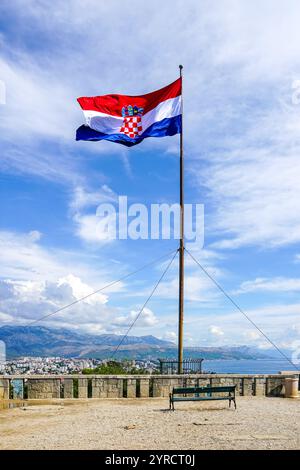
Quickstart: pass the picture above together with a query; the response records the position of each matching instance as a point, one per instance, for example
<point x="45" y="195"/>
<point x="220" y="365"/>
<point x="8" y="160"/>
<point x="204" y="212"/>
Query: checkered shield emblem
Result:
<point x="132" y="123"/>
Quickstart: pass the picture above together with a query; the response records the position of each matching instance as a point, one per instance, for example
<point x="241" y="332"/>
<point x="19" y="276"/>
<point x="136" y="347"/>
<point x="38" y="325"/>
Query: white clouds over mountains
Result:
<point x="36" y="283"/>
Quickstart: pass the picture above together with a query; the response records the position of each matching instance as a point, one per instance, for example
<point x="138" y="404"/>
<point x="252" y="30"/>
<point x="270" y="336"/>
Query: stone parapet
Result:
<point x="134" y="386"/>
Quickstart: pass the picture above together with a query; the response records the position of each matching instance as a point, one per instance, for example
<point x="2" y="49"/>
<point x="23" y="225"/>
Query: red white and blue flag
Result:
<point x="128" y="120"/>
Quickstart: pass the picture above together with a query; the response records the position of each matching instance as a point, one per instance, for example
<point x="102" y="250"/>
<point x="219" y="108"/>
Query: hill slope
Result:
<point x="43" y="341"/>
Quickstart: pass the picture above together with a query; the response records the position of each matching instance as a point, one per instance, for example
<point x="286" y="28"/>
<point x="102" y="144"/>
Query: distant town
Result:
<point x="60" y="365"/>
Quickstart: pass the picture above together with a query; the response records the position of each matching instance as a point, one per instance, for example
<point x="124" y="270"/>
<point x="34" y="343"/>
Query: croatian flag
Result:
<point x="128" y="120"/>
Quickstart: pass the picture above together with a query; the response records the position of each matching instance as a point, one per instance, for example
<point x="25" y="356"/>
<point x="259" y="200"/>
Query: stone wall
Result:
<point x="134" y="386"/>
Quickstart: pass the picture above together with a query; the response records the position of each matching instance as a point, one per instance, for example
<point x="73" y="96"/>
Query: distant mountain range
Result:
<point x="43" y="341"/>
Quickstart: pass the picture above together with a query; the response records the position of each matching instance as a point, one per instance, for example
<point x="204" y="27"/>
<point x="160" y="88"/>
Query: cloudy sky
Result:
<point x="242" y="150"/>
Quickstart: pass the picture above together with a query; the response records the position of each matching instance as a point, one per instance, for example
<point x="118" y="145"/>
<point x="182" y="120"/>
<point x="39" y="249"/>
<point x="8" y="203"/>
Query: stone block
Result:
<point x="223" y="382"/>
<point x="4" y="389"/>
<point x="162" y="387"/>
<point x="115" y="388"/>
<point x="216" y="382"/>
<point x="247" y="389"/>
<point x="131" y="388"/>
<point x="191" y="382"/>
<point x="68" y="388"/>
<point x="275" y="386"/>
<point x="203" y="382"/>
<point x="99" y="388"/>
<point x="239" y="385"/>
<point x="82" y="388"/>
<point x="43" y="388"/>
<point x="157" y="387"/>
<point x="259" y="387"/>
<point x="144" y="388"/>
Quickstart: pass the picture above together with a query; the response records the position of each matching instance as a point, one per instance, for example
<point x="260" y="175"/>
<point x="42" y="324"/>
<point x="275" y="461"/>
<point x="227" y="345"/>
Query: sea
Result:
<point x="245" y="366"/>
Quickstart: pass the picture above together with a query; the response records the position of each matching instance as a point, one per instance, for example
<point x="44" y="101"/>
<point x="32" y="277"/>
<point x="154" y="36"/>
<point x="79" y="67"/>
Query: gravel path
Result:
<point x="258" y="423"/>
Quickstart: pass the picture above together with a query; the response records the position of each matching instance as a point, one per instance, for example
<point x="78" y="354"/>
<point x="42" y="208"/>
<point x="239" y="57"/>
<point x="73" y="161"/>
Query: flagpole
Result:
<point x="181" y="245"/>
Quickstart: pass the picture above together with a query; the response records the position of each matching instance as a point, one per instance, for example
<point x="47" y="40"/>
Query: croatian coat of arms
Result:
<point x="132" y="121"/>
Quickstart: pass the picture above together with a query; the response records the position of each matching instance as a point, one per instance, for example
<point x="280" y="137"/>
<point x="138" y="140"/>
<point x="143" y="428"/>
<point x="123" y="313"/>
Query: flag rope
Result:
<point x="241" y="311"/>
<point x="145" y="303"/>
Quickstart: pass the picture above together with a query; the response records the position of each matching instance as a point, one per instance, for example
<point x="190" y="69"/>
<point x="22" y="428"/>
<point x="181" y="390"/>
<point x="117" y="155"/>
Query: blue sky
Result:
<point x="242" y="152"/>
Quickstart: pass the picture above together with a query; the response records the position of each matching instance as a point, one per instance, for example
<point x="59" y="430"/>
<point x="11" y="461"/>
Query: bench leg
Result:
<point x="171" y="404"/>
<point x="232" y="399"/>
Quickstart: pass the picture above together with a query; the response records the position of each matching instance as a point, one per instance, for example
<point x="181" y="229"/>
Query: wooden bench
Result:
<point x="202" y="393"/>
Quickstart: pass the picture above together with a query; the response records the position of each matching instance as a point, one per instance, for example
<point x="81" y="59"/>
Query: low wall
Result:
<point x="132" y="386"/>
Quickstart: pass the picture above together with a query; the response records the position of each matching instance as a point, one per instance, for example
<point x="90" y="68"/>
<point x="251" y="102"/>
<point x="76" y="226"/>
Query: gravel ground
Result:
<point x="258" y="423"/>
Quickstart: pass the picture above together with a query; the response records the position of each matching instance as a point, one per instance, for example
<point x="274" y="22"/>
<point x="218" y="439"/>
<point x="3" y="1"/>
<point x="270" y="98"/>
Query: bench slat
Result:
<point x="229" y="388"/>
<point x="200" y="398"/>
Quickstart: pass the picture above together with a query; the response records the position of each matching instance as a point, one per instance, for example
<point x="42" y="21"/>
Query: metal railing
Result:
<point x="189" y="366"/>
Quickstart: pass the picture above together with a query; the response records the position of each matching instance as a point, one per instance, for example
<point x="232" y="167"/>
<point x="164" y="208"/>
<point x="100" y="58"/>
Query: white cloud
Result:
<point x="146" y="319"/>
<point x="5" y="318"/>
<point x="276" y="284"/>
<point x="34" y="235"/>
<point x="31" y="300"/>
<point x="252" y="335"/>
<point x="170" y="336"/>
<point x="198" y="287"/>
<point x="36" y="103"/>
<point x="92" y="226"/>
<point x="93" y="229"/>
<point x="23" y="257"/>
<point x="83" y="198"/>
<point x="257" y="198"/>
<point x="80" y="289"/>
<point x="216" y="330"/>
<point x="37" y="281"/>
